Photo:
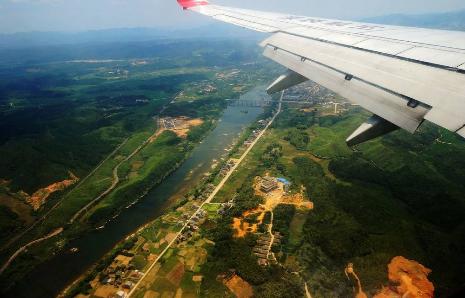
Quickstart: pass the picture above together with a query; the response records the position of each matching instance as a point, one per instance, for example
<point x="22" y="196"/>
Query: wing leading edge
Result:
<point x="402" y="75"/>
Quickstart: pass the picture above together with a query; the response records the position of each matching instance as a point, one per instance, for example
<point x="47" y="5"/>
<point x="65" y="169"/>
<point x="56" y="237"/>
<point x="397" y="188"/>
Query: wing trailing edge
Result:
<point x="402" y="75"/>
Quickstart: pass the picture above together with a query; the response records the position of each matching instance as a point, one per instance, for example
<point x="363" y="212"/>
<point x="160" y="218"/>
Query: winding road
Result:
<point x="85" y="208"/>
<point x="41" y="219"/>
<point x="23" y="248"/>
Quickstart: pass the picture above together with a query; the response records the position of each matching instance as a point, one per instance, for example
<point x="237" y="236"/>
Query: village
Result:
<point x="183" y="262"/>
<point x="174" y="240"/>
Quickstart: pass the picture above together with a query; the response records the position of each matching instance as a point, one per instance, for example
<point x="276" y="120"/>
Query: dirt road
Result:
<point x="23" y="248"/>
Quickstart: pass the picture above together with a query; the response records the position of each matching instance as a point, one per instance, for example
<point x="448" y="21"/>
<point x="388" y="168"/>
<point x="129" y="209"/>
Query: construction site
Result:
<point x="259" y="221"/>
<point x="179" y="125"/>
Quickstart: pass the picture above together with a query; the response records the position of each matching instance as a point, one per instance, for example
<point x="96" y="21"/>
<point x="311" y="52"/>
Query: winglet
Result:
<point x="186" y="4"/>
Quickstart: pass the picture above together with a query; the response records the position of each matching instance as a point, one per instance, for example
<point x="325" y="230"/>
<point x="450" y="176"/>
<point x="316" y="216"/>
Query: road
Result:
<point x="45" y="216"/>
<point x="77" y="214"/>
<point x="211" y="197"/>
<point x="115" y="170"/>
<point x="307" y="292"/>
<point x="115" y="178"/>
<point x="85" y="208"/>
<point x="270" y="231"/>
<point x="23" y="248"/>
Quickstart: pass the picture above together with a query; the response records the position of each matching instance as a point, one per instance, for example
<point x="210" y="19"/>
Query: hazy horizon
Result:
<point x="87" y="15"/>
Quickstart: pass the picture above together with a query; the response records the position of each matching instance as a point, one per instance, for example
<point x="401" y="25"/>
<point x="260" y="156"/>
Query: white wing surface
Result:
<point x="402" y="75"/>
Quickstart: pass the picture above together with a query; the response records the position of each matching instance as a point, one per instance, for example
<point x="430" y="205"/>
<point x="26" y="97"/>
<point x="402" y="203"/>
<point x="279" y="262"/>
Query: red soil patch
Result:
<point x="239" y="287"/>
<point x="242" y="227"/>
<point x="410" y="279"/>
<point x="40" y="197"/>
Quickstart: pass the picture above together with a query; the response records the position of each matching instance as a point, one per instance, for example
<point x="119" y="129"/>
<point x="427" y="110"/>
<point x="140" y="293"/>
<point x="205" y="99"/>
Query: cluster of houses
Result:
<point x="207" y="89"/>
<point x="263" y="248"/>
<point x="339" y="107"/>
<point x="225" y="207"/>
<point x="251" y="138"/>
<point x="209" y="188"/>
<point x="226" y="168"/>
<point x="261" y="125"/>
<point x="192" y="225"/>
<point x="121" y="274"/>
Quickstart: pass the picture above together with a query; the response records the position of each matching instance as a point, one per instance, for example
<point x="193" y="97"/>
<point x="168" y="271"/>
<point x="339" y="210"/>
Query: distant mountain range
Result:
<point x="450" y="20"/>
<point x="28" y="39"/>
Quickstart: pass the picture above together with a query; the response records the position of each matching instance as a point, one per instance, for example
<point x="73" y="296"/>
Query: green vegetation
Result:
<point x="88" y="117"/>
<point x="298" y="138"/>
<point x="283" y="215"/>
<point x="399" y="195"/>
<point x="8" y="222"/>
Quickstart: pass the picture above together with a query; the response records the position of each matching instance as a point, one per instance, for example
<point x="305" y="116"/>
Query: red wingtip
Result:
<point x="191" y="3"/>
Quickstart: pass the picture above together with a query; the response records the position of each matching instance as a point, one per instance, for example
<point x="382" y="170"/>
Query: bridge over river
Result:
<point x="260" y="103"/>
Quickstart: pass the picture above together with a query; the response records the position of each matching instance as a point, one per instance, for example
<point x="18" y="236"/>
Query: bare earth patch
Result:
<point x="179" y="125"/>
<point x="40" y="197"/>
<point x="151" y="294"/>
<point x="350" y="271"/>
<point x="239" y="287"/>
<point x="242" y="227"/>
<point x="105" y="291"/>
<point x="409" y="278"/>
<point x="272" y="199"/>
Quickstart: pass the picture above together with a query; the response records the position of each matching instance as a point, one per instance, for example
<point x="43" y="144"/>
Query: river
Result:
<point x="49" y="278"/>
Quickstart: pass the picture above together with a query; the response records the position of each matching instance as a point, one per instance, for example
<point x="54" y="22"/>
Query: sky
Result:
<point x="83" y="15"/>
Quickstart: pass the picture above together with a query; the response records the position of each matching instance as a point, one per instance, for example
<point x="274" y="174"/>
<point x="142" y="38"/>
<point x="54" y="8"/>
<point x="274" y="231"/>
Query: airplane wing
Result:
<point x="402" y="75"/>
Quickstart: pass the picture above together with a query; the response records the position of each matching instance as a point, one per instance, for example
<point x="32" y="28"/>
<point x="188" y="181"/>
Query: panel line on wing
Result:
<point x="440" y="66"/>
<point x="385" y="104"/>
<point x="354" y="77"/>
<point x="326" y="22"/>
<point x="397" y="54"/>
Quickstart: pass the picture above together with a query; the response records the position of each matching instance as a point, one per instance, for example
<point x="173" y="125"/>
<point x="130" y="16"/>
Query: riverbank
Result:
<point x="137" y="165"/>
<point x="129" y="244"/>
<point x="64" y="266"/>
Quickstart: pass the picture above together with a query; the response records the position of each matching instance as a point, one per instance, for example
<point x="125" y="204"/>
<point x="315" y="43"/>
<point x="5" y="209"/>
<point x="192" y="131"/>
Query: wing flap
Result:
<point x="401" y="74"/>
<point x="425" y="84"/>
<point x="380" y="102"/>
